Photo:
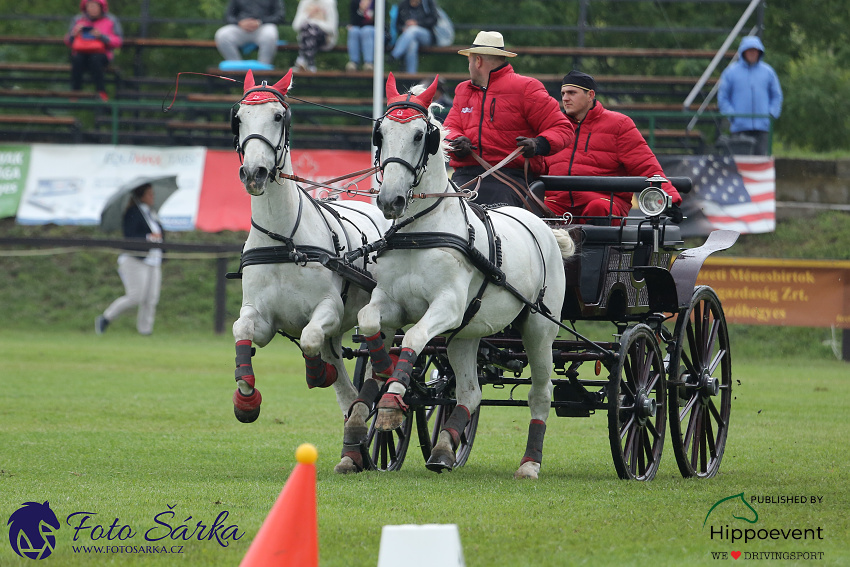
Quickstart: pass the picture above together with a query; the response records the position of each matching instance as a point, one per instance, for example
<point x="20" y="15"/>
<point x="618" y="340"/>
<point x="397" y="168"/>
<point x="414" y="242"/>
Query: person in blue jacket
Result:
<point x="750" y="86"/>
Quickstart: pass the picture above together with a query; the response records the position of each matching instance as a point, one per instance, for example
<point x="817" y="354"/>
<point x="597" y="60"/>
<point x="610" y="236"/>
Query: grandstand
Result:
<point x="644" y="71"/>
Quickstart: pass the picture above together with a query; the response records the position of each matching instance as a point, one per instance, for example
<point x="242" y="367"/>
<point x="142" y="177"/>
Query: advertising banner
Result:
<point x="796" y="293"/>
<point x="71" y="184"/>
<point x="14" y="165"/>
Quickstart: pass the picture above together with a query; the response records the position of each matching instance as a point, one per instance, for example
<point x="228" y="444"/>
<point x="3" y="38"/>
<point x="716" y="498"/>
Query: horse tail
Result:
<point x="565" y="243"/>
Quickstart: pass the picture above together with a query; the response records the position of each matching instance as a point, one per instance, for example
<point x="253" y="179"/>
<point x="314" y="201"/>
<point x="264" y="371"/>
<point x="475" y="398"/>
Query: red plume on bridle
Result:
<point x="402" y="113"/>
<point x="259" y="97"/>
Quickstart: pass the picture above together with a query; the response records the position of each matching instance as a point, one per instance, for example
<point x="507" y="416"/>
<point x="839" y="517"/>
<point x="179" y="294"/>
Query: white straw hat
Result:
<point x="488" y="43"/>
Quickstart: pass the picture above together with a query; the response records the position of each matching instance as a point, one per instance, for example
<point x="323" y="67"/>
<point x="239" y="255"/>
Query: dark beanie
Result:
<point x="580" y="80"/>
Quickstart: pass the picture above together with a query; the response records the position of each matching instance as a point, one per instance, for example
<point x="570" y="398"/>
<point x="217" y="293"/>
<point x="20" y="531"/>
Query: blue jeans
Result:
<point x="408" y="44"/>
<point x="361" y="44"/>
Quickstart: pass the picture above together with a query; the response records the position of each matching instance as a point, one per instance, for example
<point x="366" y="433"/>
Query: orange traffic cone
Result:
<point x="289" y="535"/>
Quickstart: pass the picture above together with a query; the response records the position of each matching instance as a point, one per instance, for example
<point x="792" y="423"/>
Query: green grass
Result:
<point x="126" y="426"/>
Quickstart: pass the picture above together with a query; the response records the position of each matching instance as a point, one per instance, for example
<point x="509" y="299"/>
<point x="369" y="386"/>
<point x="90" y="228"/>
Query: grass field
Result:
<point x="127" y="428"/>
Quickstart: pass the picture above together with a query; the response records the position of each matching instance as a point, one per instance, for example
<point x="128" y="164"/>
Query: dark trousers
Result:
<point x="310" y="39"/>
<point x="492" y="191"/>
<point x="93" y="63"/>
<point x="761" y="137"/>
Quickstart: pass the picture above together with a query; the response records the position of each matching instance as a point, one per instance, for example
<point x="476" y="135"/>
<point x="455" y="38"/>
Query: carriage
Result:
<point x="670" y="353"/>
<point x="670" y="359"/>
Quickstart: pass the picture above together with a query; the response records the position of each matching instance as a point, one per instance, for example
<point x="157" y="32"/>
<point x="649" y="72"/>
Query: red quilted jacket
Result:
<point x="512" y="105"/>
<point x="606" y="143"/>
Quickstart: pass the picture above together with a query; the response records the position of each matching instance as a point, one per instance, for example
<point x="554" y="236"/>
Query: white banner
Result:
<point x="71" y="184"/>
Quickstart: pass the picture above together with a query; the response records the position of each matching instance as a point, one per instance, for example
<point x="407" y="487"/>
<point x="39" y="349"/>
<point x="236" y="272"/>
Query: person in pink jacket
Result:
<point x="93" y="36"/>
<point x="606" y="143"/>
<point x="495" y="112"/>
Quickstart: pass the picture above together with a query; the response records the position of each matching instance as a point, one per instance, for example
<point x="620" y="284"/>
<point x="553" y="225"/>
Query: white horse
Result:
<point x="285" y="286"/>
<point x="436" y="287"/>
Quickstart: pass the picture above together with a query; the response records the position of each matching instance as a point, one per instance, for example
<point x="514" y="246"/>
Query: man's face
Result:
<point x="751" y="55"/>
<point x="93" y="9"/>
<point x="576" y="101"/>
<point x="474" y="72"/>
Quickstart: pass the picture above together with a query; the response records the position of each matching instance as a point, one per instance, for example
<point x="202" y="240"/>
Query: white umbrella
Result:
<point x="112" y="216"/>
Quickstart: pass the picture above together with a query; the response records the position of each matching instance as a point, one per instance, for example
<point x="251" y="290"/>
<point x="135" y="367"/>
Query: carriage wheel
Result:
<point x="385" y="450"/>
<point x="636" y="400"/>
<point x="430" y="419"/>
<point x="700" y="386"/>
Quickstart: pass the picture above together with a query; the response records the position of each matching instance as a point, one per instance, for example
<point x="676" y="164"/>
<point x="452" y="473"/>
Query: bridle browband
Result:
<point x="419" y="169"/>
<point x="282" y="145"/>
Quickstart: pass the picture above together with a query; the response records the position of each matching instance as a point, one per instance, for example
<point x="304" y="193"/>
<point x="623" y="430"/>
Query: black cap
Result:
<point x="580" y="80"/>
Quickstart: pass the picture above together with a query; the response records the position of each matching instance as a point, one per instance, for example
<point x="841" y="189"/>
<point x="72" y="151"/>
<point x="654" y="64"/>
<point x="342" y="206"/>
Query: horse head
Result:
<point x="405" y="137"/>
<point x="261" y="117"/>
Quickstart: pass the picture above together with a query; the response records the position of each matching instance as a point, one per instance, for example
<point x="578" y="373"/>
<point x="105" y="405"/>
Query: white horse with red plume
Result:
<point x="452" y="269"/>
<point x="286" y="286"/>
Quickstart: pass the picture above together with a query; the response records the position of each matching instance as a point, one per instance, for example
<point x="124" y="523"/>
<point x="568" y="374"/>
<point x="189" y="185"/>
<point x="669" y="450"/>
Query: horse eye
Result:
<point x="418" y="136"/>
<point x="278" y="117"/>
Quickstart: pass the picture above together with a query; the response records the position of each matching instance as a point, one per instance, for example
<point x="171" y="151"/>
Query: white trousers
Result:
<point x="142" y="283"/>
<point x="230" y="38"/>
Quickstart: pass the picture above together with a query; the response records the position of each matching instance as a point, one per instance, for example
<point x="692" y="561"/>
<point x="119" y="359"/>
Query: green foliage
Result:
<point x="816" y="85"/>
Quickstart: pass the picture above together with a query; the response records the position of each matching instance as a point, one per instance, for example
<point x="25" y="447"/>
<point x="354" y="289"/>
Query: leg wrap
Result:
<point x="534" y="448"/>
<point x="244" y="370"/>
<point x="382" y="364"/>
<point x="456" y="423"/>
<point x="352" y="446"/>
<point x="403" y="367"/>
<point x="368" y="394"/>
<point x="320" y="374"/>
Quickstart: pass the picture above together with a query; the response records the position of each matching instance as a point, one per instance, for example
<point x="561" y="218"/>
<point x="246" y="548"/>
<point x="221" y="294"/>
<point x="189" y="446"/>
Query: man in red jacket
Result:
<point x="494" y="113"/>
<point x="606" y="143"/>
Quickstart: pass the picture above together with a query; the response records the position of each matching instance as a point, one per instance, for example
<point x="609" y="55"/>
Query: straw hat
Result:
<point x="488" y="43"/>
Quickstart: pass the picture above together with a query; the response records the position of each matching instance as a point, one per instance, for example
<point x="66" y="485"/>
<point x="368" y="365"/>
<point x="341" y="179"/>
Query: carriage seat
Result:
<point x="588" y="268"/>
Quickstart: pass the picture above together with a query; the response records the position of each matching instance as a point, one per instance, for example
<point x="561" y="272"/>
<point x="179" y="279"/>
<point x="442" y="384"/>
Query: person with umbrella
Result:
<point x="140" y="273"/>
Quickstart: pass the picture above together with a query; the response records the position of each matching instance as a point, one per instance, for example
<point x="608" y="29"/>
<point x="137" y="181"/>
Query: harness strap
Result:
<point x="529" y="199"/>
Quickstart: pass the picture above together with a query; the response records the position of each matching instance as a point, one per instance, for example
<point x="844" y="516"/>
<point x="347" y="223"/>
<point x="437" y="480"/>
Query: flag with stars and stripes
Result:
<point x="729" y="192"/>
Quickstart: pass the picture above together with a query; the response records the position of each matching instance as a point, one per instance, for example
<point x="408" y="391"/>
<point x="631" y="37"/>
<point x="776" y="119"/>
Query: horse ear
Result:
<point x="428" y="94"/>
<point x="392" y="89"/>
<point x="284" y="84"/>
<point x="249" y="80"/>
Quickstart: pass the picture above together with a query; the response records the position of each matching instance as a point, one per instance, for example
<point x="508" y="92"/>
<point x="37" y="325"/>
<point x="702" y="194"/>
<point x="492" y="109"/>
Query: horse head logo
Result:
<point x="748" y="513"/>
<point x="31" y="530"/>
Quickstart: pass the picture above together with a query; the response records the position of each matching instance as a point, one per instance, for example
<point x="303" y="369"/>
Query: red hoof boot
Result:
<point x="247" y="408"/>
<point x="391" y="410"/>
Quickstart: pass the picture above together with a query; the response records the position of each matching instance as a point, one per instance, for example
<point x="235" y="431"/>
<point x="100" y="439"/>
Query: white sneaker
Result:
<point x="300" y="64"/>
<point x="368" y="67"/>
<point x="350" y="66"/>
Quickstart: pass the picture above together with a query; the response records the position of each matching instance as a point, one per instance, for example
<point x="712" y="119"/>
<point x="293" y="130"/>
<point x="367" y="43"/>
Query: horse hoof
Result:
<point x="247" y="408"/>
<point x="347" y="466"/>
<point x="529" y="469"/>
<point x="388" y="419"/>
<point x="440" y="461"/>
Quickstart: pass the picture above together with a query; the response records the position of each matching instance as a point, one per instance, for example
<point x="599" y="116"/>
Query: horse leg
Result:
<point x="356" y="429"/>
<point x="537" y="337"/>
<point x="463" y="358"/>
<point x="250" y="327"/>
<point x="324" y="322"/>
<point x="440" y="316"/>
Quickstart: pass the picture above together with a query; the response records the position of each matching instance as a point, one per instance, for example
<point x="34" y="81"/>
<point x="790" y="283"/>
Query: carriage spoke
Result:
<point x="718" y="358"/>
<point x="692" y="422"/>
<point x="713" y="409"/>
<point x="627" y="427"/>
<point x="710" y="438"/>
<point x="703" y="441"/>
<point x="696" y="435"/>
<point x="688" y="407"/>
<point x="648" y="445"/>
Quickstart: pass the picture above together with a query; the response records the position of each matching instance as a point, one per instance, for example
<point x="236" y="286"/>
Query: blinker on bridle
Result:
<point x="282" y="144"/>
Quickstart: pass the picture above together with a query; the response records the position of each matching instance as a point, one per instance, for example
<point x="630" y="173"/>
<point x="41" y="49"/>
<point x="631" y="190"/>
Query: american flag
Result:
<point x="733" y="192"/>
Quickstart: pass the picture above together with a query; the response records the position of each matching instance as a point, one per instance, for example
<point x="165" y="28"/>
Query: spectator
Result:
<point x="414" y="24"/>
<point x="141" y="274"/>
<point x="605" y="143"/>
<point x="361" y="35"/>
<point x="497" y="111"/>
<point x="750" y="86"/>
<point x="442" y="98"/>
<point x="316" y="22"/>
<point x="250" y="22"/>
<point x="93" y="37"/>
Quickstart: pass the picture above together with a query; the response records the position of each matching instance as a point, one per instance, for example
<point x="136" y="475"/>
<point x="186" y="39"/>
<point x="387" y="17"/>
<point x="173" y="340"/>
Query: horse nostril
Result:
<point x="261" y="175"/>
<point x="243" y="175"/>
<point x="398" y="203"/>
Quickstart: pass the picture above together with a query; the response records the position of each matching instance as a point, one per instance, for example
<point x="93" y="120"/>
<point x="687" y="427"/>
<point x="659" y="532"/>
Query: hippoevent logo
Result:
<point x="734" y="519"/>
<point x="31" y="530"/>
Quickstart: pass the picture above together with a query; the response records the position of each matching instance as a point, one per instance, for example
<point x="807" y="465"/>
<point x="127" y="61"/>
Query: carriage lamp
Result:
<point x="653" y="201"/>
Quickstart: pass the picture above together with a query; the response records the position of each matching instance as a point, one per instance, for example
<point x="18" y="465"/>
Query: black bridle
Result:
<point x="281" y="147"/>
<point x="417" y="170"/>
